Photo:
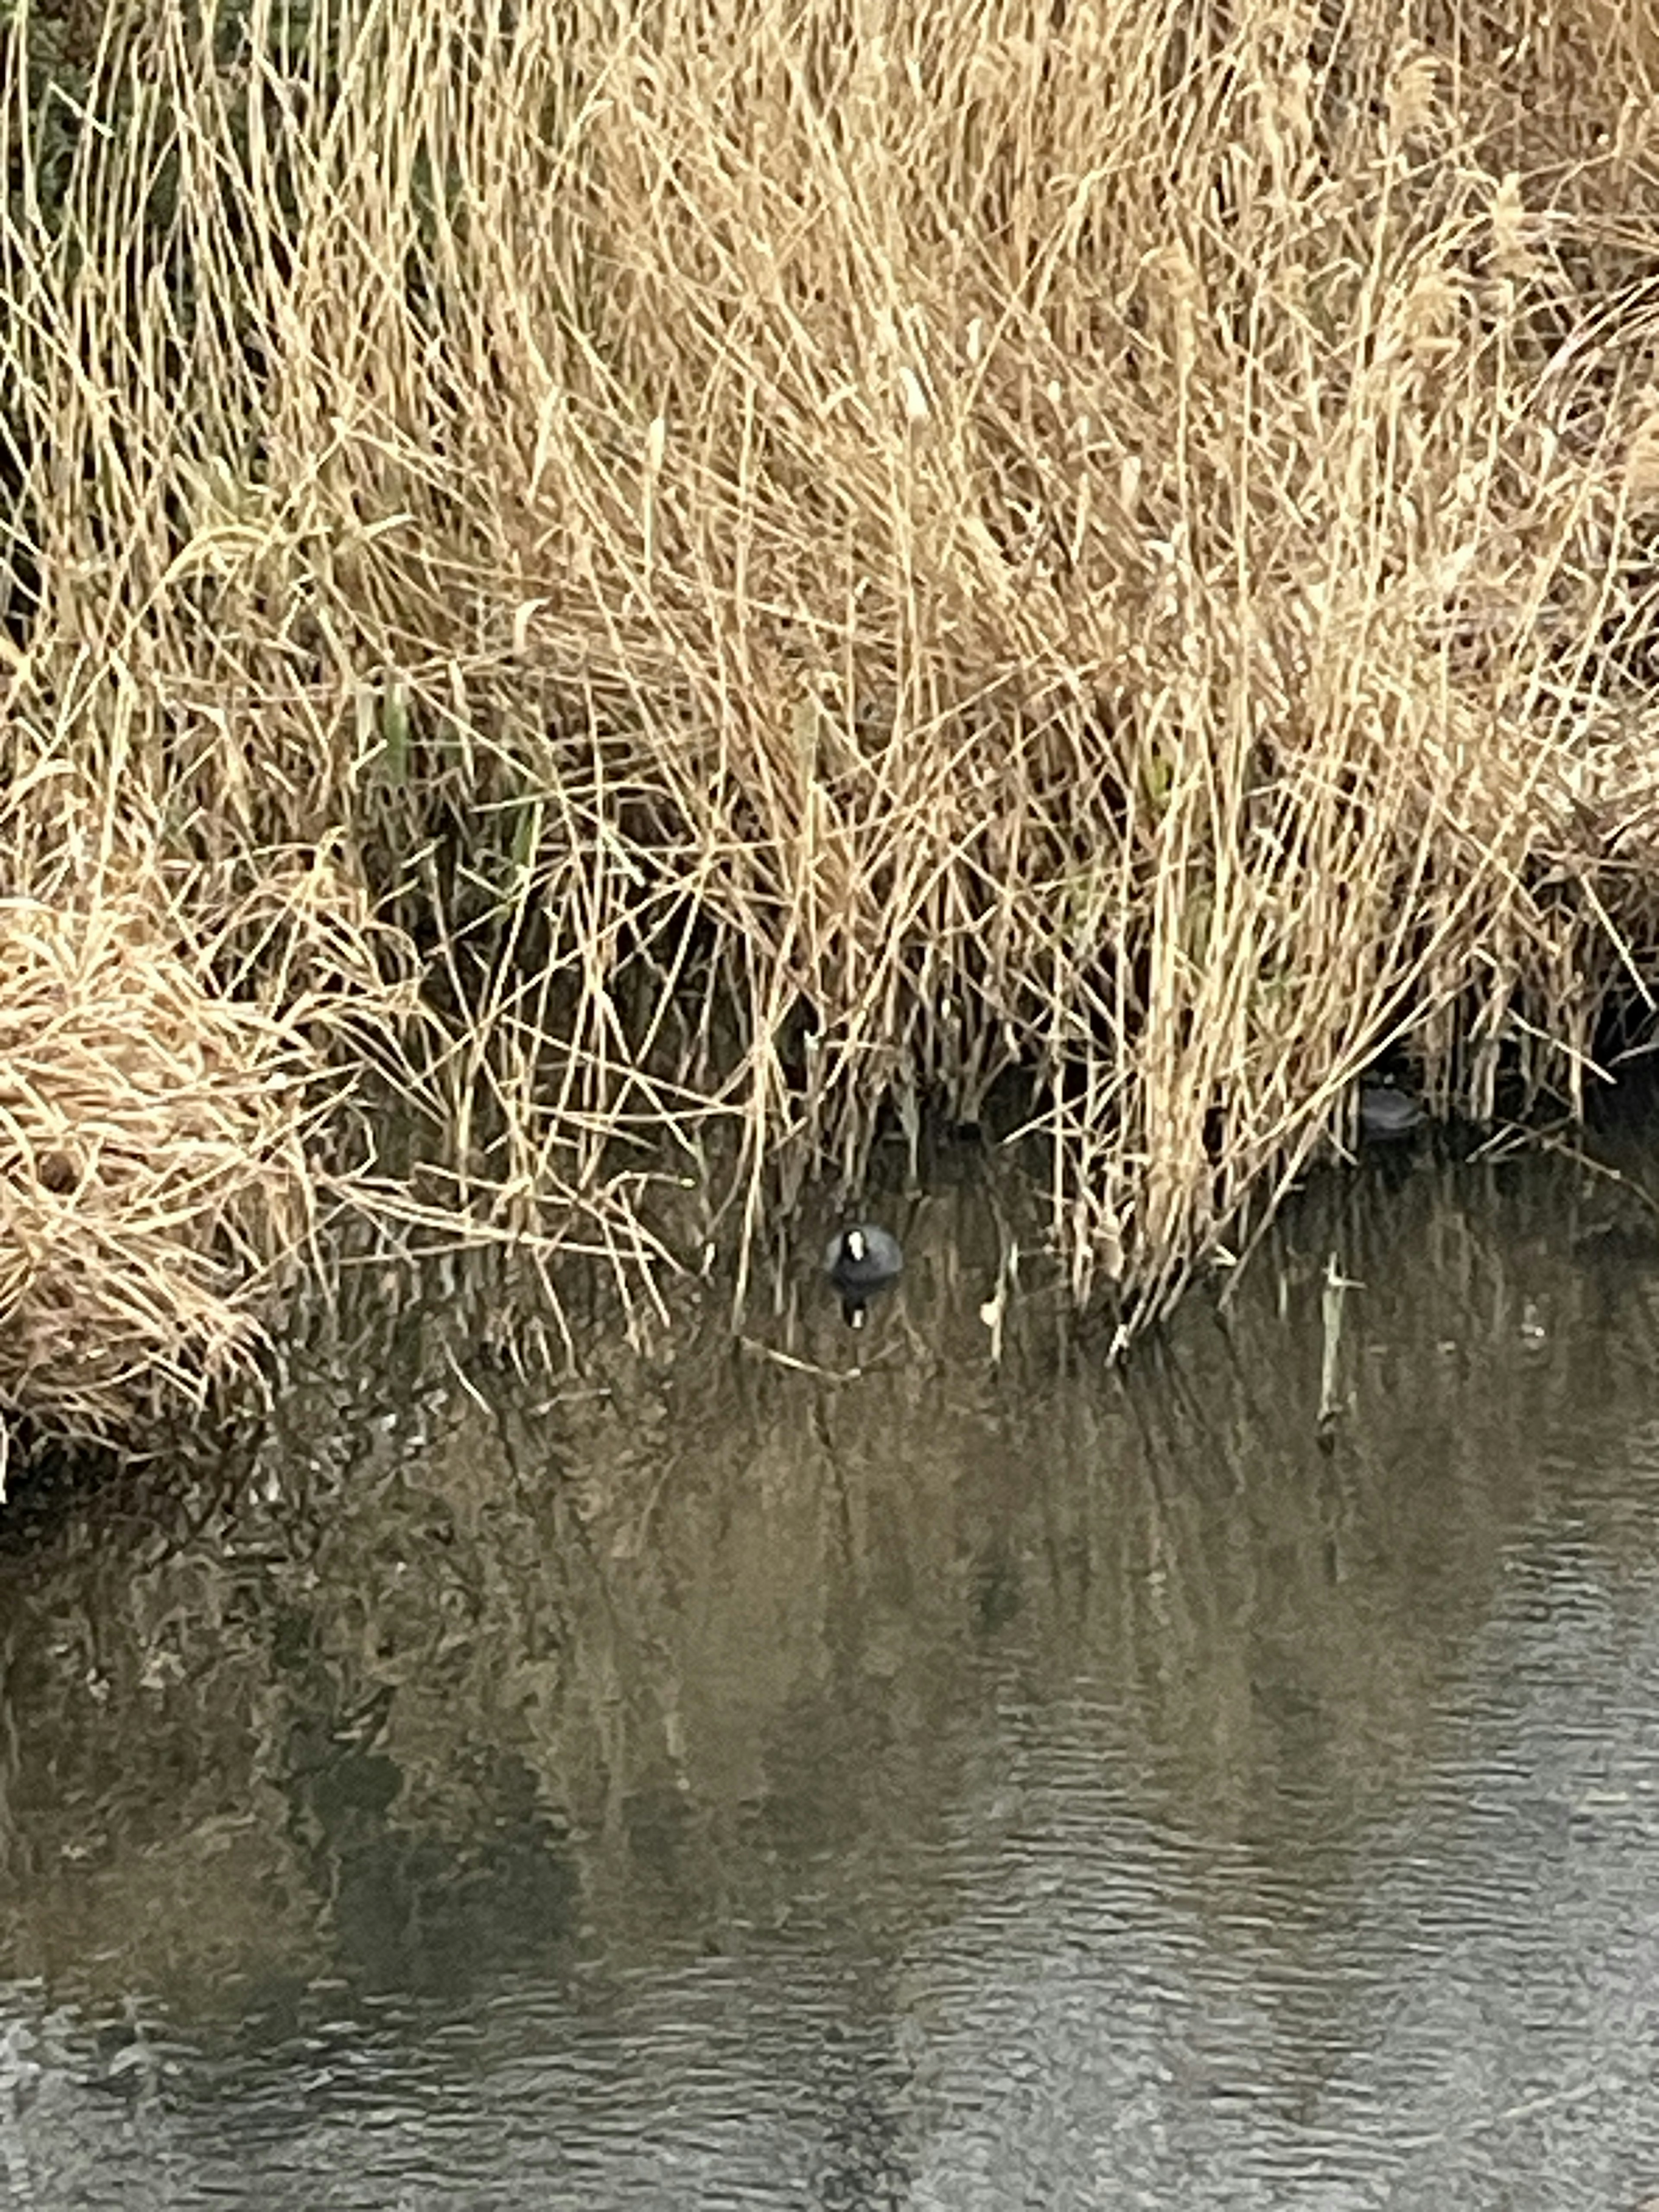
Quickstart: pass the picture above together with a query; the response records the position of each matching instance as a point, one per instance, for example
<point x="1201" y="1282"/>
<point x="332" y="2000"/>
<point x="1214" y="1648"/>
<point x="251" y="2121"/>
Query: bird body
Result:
<point x="861" y="1261"/>
<point x="1386" y="1111"/>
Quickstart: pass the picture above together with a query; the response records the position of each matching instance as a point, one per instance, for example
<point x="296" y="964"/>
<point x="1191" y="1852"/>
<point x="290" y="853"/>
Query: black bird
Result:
<point x="861" y="1261"/>
<point x="1385" y="1110"/>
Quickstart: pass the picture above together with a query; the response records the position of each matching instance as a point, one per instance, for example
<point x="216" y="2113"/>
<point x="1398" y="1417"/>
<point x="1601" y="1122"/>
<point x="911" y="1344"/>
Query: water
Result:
<point x="946" y="1786"/>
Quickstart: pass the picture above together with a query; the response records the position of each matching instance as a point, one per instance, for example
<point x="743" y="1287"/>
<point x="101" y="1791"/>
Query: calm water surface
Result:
<point x="727" y="1779"/>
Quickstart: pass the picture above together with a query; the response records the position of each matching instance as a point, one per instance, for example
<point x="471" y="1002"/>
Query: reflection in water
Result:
<point x="750" y="1781"/>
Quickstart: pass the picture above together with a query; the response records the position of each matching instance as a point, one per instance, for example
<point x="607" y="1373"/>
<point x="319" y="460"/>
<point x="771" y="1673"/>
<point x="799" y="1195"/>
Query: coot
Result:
<point x="861" y="1261"/>
<point x="1385" y="1110"/>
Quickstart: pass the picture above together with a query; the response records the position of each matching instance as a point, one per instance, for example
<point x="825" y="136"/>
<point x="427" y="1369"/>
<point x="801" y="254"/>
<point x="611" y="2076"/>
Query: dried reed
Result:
<point x="804" y="556"/>
<point x="150" y="1167"/>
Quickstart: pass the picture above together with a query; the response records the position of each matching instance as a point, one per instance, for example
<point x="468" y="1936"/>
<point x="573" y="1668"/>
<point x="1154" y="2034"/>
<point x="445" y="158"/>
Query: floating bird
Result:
<point x="1385" y="1110"/>
<point x="861" y="1261"/>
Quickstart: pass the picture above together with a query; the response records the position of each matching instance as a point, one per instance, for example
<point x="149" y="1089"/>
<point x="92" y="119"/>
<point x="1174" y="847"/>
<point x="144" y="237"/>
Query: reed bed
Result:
<point x="794" y="559"/>
<point x="151" y="1170"/>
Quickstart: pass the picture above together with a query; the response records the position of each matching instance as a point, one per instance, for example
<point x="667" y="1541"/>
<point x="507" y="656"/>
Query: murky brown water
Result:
<point x="942" y="1787"/>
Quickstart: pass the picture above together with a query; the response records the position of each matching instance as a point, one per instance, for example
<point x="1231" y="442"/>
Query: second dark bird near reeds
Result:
<point x="1386" y="1110"/>
<point x="862" y="1261"/>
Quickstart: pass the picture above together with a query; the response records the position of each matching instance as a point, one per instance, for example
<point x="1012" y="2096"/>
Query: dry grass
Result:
<point x="150" y="1169"/>
<point x="803" y="556"/>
